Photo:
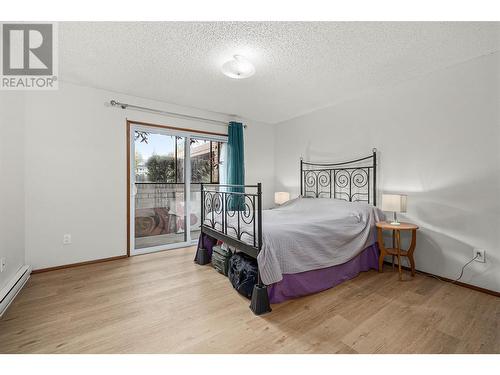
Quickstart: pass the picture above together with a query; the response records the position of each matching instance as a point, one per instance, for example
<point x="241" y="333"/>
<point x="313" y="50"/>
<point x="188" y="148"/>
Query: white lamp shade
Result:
<point x="394" y="202"/>
<point x="281" y="197"/>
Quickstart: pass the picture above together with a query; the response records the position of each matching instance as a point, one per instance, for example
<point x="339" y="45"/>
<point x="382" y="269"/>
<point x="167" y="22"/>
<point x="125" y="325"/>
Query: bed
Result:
<point x="309" y="244"/>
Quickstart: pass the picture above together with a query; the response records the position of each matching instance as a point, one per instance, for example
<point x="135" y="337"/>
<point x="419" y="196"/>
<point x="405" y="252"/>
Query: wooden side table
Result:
<point x="396" y="250"/>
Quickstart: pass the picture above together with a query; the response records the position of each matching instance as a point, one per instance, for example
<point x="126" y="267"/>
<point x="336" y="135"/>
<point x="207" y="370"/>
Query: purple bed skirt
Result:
<point x="309" y="282"/>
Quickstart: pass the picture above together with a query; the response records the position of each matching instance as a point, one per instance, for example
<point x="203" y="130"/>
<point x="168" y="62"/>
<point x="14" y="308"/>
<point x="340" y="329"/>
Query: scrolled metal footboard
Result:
<point x="233" y="214"/>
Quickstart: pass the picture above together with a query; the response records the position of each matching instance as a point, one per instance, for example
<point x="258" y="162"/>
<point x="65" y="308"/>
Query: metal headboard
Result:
<point x="353" y="181"/>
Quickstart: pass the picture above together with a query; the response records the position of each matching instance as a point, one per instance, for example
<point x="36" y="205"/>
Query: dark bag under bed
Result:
<point x="243" y="273"/>
<point x="220" y="259"/>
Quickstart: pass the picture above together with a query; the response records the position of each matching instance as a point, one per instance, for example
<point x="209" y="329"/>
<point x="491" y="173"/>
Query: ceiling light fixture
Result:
<point x="238" y="68"/>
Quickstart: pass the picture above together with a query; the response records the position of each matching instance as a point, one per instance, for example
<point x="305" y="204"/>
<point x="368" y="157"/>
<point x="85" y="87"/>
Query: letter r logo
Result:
<point x="27" y="49"/>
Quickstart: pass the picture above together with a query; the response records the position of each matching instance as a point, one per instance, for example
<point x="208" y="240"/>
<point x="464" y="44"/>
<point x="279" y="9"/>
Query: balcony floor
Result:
<point x="163" y="239"/>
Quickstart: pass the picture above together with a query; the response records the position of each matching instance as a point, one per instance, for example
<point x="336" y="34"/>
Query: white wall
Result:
<point x="11" y="183"/>
<point x="439" y="141"/>
<point x="76" y="170"/>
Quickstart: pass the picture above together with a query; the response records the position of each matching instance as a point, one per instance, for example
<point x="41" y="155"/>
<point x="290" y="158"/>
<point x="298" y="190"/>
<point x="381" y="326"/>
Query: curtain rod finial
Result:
<point x="115" y="103"/>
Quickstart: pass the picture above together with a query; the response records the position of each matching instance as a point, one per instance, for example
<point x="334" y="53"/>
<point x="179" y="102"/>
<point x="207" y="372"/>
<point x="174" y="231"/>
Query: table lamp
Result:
<point x="281" y="197"/>
<point x="395" y="203"/>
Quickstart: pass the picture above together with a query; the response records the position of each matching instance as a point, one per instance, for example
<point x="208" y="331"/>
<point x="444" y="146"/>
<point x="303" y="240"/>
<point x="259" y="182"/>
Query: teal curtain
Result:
<point x="236" y="165"/>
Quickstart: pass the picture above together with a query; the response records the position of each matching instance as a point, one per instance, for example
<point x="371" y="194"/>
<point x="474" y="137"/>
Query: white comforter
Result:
<point x="307" y="234"/>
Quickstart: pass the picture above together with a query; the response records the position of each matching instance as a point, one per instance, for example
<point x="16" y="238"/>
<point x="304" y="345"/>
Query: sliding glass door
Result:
<point x="206" y="162"/>
<point x="166" y="169"/>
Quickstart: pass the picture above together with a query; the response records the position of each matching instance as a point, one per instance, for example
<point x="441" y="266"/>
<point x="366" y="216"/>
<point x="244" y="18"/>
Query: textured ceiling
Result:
<point x="300" y="66"/>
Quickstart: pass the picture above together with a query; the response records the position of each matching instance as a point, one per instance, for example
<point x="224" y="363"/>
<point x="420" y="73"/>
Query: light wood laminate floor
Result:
<point x="164" y="303"/>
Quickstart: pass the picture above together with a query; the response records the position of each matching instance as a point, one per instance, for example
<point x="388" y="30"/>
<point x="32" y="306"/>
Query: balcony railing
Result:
<point x="160" y="213"/>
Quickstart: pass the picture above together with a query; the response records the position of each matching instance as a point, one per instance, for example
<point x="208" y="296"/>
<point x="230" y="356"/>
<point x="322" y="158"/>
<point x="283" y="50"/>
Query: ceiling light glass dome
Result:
<point x="238" y="68"/>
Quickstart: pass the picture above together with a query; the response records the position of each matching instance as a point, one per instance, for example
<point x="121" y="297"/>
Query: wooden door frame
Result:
<point x="129" y="124"/>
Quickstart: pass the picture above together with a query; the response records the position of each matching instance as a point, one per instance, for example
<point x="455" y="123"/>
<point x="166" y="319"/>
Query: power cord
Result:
<point x="440" y="279"/>
<point x="422" y="273"/>
<point x="465" y="265"/>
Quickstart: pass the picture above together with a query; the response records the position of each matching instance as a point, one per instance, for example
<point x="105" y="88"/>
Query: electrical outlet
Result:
<point x="2" y="264"/>
<point x="481" y="255"/>
<point x="66" y="239"/>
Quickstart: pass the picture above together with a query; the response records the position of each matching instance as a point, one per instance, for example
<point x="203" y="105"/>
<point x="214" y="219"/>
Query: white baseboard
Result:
<point x="13" y="287"/>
